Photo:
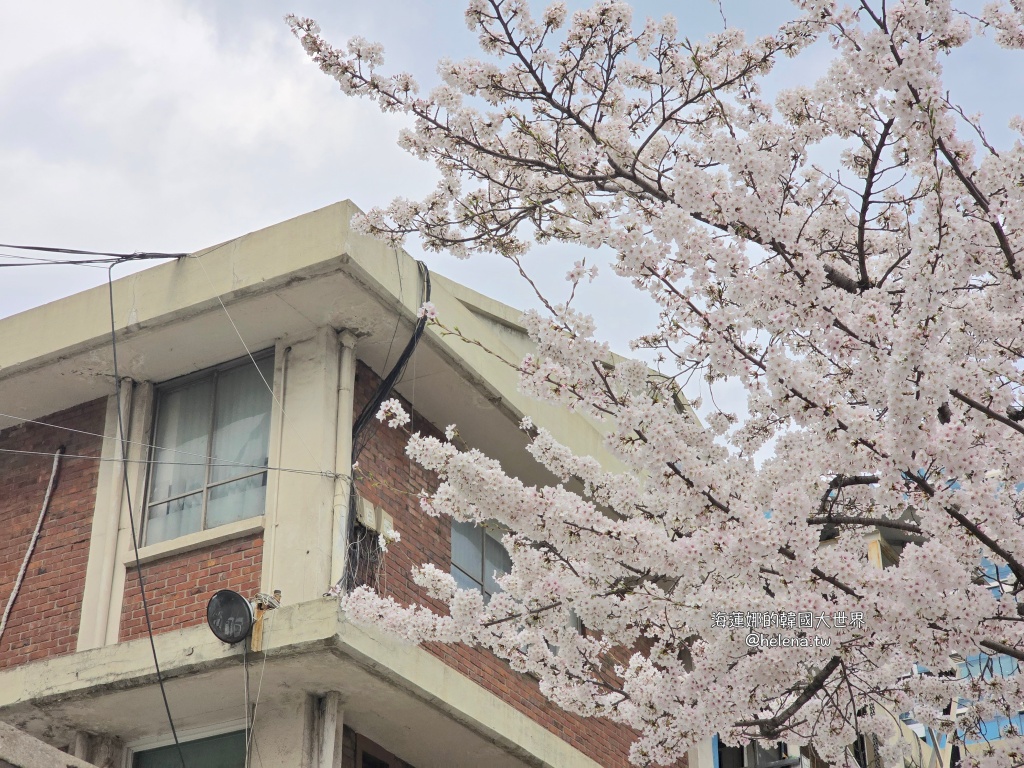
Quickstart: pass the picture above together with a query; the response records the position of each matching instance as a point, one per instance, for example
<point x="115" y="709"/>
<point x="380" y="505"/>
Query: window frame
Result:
<point x="160" y="391"/>
<point x="185" y="736"/>
<point x="493" y="530"/>
<point x="365" y="746"/>
<point x="487" y="531"/>
<point x="747" y="756"/>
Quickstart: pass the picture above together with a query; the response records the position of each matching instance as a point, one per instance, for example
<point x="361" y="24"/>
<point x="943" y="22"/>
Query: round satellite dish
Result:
<point x="229" y="616"/>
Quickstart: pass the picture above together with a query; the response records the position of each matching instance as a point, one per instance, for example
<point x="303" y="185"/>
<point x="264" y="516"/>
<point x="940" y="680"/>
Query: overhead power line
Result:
<point x="202" y="458"/>
<point x="79" y="252"/>
<point x="102" y="259"/>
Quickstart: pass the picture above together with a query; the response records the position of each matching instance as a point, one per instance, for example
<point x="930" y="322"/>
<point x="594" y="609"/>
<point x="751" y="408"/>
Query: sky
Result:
<point x="173" y="125"/>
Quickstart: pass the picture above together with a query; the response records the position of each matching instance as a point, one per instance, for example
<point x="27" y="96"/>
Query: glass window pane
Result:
<point x="464" y="581"/>
<point x="241" y="432"/>
<point x="182" y="432"/>
<point x="496" y="559"/>
<point x="730" y="757"/>
<point x="760" y="753"/>
<point x="174" y="518"/>
<point x="236" y="500"/>
<point x="225" y="751"/>
<point x="467" y="546"/>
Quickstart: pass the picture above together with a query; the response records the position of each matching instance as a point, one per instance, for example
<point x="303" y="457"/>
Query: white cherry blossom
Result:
<point x="853" y="254"/>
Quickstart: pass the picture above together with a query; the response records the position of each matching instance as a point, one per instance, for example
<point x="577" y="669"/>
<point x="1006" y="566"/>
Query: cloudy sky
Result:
<point x="172" y="125"/>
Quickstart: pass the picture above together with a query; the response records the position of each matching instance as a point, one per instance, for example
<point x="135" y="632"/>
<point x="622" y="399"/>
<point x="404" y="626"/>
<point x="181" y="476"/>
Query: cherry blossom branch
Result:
<point x="770" y="728"/>
<point x="855" y="302"/>
<point x="842" y="481"/>
<point x="1003" y="648"/>
<point x="975" y="530"/>
<point x="975" y="192"/>
<point x="870" y="178"/>
<point x="1011" y="423"/>
<point x="879" y="522"/>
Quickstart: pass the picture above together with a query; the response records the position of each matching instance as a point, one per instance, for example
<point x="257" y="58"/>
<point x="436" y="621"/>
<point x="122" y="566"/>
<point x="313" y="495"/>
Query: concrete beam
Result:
<point x="312" y="634"/>
<point x="20" y="750"/>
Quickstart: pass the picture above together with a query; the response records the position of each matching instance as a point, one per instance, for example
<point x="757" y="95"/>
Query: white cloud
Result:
<point x="175" y="124"/>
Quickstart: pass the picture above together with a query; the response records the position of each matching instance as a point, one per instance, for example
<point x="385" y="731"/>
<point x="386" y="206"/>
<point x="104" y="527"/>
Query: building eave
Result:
<point x="447" y="719"/>
<point x="280" y="282"/>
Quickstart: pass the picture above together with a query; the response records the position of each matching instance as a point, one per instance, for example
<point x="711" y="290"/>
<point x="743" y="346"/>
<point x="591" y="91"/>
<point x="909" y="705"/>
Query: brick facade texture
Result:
<point x="179" y="587"/>
<point x="46" y="612"/>
<point x="389" y="479"/>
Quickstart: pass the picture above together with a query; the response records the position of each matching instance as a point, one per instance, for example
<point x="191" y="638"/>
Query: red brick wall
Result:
<point x="178" y="587"/>
<point x="388" y="478"/>
<point x="44" y="618"/>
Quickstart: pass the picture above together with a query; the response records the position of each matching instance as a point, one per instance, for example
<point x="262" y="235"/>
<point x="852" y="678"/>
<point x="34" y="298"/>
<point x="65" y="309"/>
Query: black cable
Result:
<point x="248" y="726"/>
<point x="384" y="388"/>
<point x="77" y="252"/>
<point x="388" y="383"/>
<point x="55" y="262"/>
<point x="131" y="514"/>
<point x="398" y="316"/>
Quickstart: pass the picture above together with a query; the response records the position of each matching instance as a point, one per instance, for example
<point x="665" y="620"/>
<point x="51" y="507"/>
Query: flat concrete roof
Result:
<point x="284" y="282"/>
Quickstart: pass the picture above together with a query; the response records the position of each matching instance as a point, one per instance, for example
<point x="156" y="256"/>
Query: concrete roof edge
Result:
<point x="304" y="628"/>
<point x="18" y="748"/>
<point x="269" y="259"/>
<point x="201" y="282"/>
<point x="480" y="304"/>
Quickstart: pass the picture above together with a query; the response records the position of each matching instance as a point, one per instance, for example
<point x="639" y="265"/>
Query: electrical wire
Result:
<point x="384" y="388"/>
<point x="32" y="542"/>
<point x="206" y="459"/>
<point x="107" y="259"/>
<point x="137" y="255"/>
<point x="398" y="316"/>
<point x="315" y="472"/>
<point x="251" y="742"/>
<point x="131" y="516"/>
<point x="387" y="384"/>
<point x="28" y="261"/>
<point x="245" y="346"/>
<point x="248" y="725"/>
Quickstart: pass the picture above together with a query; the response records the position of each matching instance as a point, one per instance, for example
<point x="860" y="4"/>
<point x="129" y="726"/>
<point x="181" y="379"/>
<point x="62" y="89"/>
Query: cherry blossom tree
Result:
<point x="852" y="253"/>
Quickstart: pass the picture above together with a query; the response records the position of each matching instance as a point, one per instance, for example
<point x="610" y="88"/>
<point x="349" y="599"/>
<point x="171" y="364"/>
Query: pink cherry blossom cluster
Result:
<point x="852" y="253"/>
<point x="393" y="413"/>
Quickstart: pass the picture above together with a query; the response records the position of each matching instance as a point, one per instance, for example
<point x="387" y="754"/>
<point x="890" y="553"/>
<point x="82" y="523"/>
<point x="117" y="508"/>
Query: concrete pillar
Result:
<point x="18" y="748"/>
<point x="139" y="433"/>
<point x="279" y="732"/>
<point x="101" y="751"/>
<point x="343" y="456"/>
<point x="299" y="548"/>
<point x="99" y="575"/>
<point x="330" y="722"/>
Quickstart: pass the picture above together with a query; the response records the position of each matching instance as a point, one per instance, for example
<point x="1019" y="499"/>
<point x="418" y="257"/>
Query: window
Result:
<point x="866" y="751"/>
<point x="756" y="754"/>
<point x="210" y="450"/>
<point x="224" y="751"/>
<point x="371" y="755"/>
<point x="477" y="557"/>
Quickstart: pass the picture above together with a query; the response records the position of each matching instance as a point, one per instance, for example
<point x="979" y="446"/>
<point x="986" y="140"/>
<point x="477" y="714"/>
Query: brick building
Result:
<point x="242" y="372"/>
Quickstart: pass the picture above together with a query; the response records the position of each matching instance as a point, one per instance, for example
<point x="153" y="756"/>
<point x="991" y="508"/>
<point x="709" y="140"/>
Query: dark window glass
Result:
<point x="224" y="751"/>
